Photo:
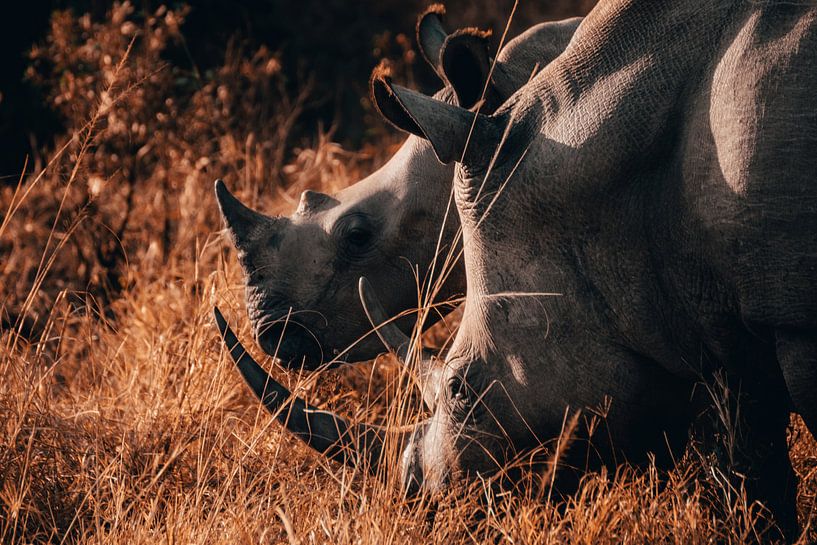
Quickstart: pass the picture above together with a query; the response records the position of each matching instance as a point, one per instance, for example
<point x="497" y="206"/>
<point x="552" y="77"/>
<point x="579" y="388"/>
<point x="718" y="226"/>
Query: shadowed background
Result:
<point x="334" y="42"/>
<point x="241" y="90"/>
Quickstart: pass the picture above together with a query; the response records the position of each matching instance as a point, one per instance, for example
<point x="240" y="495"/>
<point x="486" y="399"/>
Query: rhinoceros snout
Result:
<point x="423" y="466"/>
<point x="292" y="343"/>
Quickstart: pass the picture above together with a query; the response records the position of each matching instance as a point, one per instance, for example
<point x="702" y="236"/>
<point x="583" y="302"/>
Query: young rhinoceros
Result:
<point x="302" y="271"/>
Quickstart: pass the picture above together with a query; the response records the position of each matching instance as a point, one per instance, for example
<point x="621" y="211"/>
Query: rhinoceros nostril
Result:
<point x="291" y="342"/>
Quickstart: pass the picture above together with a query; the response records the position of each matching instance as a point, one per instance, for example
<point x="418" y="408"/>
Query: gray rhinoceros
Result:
<point x="392" y="226"/>
<point x="659" y="176"/>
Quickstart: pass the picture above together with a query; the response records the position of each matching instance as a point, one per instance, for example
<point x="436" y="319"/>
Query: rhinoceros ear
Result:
<point x="431" y="35"/>
<point x="386" y="102"/>
<point x="466" y="65"/>
<point x="449" y="129"/>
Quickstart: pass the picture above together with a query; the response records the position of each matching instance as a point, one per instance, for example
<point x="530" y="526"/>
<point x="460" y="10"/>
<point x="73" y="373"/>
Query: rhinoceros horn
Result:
<point x="325" y="432"/>
<point x="242" y="221"/>
<point x="400" y="343"/>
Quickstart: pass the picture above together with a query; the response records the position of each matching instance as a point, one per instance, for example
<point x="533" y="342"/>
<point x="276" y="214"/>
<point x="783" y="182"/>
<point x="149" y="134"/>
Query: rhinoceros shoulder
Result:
<point x="750" y="158"/>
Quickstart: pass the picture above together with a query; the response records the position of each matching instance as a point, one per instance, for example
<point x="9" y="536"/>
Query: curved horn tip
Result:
<point x="363" y="286"/>
<point x="371" y="303"/>
<point x="224" y="330"/>
<point x="220" y="321"/>
<point x="271" y="393"/>
<point x="222" y="193"/>
<point x="240" y="220"/>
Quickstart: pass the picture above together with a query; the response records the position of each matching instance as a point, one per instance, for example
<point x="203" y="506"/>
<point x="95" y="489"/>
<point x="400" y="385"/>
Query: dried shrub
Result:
<point x="145" y="139"/>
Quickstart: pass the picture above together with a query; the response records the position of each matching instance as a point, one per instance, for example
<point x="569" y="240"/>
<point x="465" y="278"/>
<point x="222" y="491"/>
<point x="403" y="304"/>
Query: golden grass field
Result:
<point x="122" y="419"/>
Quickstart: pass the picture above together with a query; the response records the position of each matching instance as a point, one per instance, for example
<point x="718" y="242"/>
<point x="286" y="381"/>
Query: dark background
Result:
<point x="334" y="42"/>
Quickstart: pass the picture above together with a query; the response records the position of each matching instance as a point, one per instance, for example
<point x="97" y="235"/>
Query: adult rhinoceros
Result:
<point x="660" y="176"/>
<point x="302" y="271"/>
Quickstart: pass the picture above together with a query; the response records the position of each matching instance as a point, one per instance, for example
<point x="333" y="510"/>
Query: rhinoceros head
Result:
<point x="555" y="293"/>
<point x="302" y="271"/>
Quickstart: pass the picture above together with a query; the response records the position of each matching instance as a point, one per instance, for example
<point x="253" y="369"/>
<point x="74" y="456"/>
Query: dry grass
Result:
<point x="121" y="418"/>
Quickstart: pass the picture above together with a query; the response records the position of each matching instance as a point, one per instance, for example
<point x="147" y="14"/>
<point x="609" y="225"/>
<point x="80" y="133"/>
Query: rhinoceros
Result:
<point x="659" y="176"/>
<point x="392" y="226"/>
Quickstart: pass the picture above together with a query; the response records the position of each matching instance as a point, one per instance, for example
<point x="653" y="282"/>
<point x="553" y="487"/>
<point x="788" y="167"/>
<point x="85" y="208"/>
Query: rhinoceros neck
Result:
<point x="595" y="170"/>
<point x="412" y="176"/>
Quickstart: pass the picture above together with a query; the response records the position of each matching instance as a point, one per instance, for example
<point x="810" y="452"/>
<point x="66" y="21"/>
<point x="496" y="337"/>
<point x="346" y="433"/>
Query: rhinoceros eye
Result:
<point x="358" y="237"/>
<point x="460" y="393"/>
<point x="355" y="236"/>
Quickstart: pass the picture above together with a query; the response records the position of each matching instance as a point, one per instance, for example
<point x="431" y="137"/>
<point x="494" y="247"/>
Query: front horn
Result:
<point x="325" y="432"/>
<point x="241" y="220"/>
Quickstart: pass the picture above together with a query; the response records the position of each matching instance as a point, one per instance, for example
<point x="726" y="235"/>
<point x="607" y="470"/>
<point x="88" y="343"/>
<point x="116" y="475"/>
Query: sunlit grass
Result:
<point x="122" y="419"/>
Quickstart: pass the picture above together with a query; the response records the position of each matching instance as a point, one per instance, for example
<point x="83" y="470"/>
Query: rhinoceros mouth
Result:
<point x="293" y="343"/>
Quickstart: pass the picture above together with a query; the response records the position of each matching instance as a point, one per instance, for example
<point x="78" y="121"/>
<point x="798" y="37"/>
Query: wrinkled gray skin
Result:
<point x="385" y="227"/>
<point x="659" y="176"/>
